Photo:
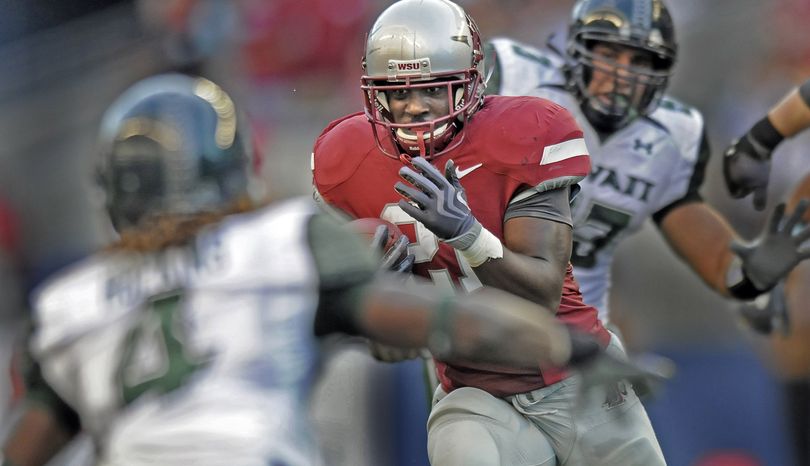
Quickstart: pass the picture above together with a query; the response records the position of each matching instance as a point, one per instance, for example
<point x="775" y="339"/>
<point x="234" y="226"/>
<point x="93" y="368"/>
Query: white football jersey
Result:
<point x="636" y="172"/>
<point x="203" y="358"/>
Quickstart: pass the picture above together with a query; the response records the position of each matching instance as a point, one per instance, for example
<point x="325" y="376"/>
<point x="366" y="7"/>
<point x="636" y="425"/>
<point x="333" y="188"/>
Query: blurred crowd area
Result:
<point x="294" y="65"/>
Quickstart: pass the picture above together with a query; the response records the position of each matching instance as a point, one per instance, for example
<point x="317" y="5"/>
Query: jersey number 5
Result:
<point x="595" y="233"/>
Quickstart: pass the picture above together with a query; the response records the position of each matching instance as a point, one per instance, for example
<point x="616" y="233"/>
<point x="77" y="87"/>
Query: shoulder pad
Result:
<point x="684" y="123"/>
<point x="521" y="68"/>
<point x="529" y="139"/>
<point x="340" y="149"/>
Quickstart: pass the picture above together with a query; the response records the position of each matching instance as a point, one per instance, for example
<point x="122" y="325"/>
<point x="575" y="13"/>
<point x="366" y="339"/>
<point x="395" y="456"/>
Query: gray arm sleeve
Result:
<point x="554" y="205"/>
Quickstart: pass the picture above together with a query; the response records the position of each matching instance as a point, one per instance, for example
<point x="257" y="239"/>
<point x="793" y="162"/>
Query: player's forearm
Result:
<point x="499" y="327"/>
<point x="487" y="326"/>
<point x="37" y="438"/>
<point x="802" y="191"/>
<point x="792" y="114"/>
<point x="534" y="262"/>
<point x="701" y="237"/>
<point x="537" y="280"/>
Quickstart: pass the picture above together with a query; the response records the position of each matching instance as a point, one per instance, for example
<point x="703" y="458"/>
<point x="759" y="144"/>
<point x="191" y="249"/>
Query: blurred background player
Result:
<point x="648" y="150"/>
<point x="747" y="169"/>
<point x="193" y="338"/>
<point x="427" y="126"/>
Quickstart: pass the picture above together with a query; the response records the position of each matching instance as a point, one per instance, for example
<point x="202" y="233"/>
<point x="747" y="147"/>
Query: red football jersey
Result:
<point x="510" y="144"/>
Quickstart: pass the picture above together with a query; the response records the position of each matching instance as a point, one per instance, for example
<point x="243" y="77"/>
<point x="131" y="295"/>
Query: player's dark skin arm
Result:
<point x="45" y="427"/>
<point x="37" y="438"/>
<point x="489" y="325"/>
<point x="535" y="258"/>
<point x="535" y="252"/>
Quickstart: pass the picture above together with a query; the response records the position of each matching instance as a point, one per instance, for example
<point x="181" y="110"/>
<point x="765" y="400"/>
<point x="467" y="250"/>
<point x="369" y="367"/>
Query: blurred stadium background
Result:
<point x="294" y="65"/>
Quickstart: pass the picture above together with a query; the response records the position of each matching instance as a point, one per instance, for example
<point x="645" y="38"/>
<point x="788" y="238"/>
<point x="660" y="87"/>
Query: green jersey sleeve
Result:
<point x="346" y="266"/>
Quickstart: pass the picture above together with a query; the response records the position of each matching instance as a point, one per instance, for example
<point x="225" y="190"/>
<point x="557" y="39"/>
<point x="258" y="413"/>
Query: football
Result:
<point x="367" y="226"/>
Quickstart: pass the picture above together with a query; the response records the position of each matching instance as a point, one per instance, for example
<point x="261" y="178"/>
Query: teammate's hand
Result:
<point x="396" y="259"/>
<point x="746" y="169"/>
<point x="768" y="313"/>
<point x="437" y="201"/>
<point x="778" y="249"/>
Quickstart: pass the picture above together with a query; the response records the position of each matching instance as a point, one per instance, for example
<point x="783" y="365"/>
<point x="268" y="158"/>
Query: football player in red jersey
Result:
<point x="508" y="226"/>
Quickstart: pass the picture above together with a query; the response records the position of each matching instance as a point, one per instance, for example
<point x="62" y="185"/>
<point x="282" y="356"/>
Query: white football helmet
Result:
<point x="641" y="24"/>
<point x="411" y="45"/>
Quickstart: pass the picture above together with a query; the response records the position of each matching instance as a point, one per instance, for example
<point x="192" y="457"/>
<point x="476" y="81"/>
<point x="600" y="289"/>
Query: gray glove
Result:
<point x="768" y="314"/>
<point x="746" y="169"/>
<point x="747" y="163"/>
<point x="774" y="253"/>
<point x="438" y="202"/>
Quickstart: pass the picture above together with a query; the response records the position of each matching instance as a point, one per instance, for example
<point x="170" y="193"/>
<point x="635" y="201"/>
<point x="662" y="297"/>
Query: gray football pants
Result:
<point x="548" y="426"/>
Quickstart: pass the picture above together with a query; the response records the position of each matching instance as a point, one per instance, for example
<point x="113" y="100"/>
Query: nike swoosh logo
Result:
<point x="462" y="173"/>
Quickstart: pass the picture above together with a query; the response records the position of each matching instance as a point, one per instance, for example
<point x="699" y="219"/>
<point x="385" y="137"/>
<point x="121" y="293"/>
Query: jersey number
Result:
<point x="426" y="246"/>
<point x="155" y="357"/>
<point x="600" y="227"/>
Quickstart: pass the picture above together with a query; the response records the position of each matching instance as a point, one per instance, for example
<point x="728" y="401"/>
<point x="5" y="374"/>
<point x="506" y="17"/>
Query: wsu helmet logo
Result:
<point x="408" y="66"/>
<point x="401" y="68"/>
